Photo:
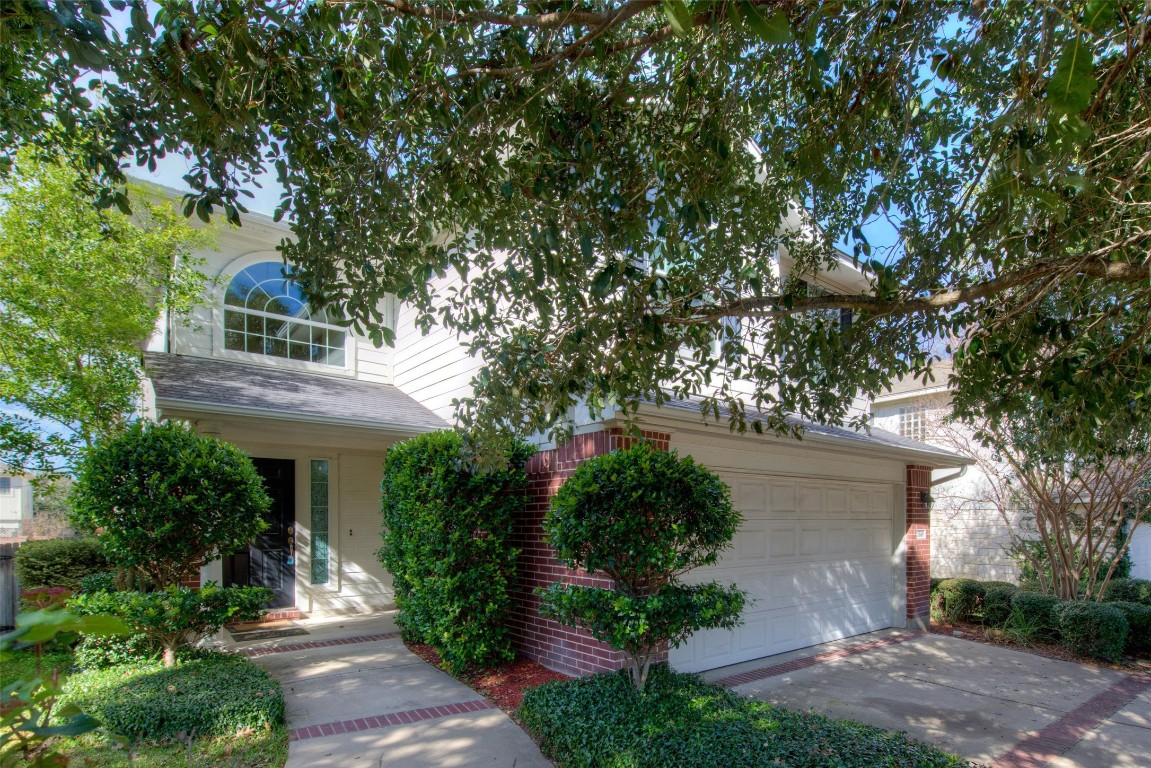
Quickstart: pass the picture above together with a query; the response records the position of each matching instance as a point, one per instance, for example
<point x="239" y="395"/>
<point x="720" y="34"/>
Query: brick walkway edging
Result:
<point x="1063" y="734"/>
<point x="254" y="653"/>
<point x="795" y="665"/>
<point x="389" y="719"/>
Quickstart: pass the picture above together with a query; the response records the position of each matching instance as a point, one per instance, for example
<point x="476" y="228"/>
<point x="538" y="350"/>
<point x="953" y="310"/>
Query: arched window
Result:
<point x="266" y="313"/>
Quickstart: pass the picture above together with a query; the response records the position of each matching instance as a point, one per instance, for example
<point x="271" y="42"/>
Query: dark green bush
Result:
<point x="165" y="500"/>
<point x="94" y="652"/>
<point x="1038" y="611"/>
<point x="448" y="545"/>
<point x="210" y="695"/>
<point x="105" y="581"/>
<point x="1138" y="618"/>
<point x="643" y="517"/>
<point x="1128" y="591"/>
<point x="957" y="599"/>
<point x="997" y="603"/>
<point x="176" y="616"/>
<point x="1096" y="630"/>
<point x="58" y="562"/>
<point x="682" y="721"/>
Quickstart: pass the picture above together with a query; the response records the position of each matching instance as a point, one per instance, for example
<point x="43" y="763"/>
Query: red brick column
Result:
<point x="918" y="538"/>
<point x="554" y="645"/>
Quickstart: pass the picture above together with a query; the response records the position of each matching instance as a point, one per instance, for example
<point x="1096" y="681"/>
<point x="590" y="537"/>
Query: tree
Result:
<point x="164" y="500"/>
<point x="609" y="181"/>
<point x="80" y="291"/>
<point x="644" y="517"/>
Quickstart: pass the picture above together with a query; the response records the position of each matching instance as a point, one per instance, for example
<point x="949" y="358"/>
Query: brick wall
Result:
<point x="556" y="646"/>
<point x="918" y="549"/>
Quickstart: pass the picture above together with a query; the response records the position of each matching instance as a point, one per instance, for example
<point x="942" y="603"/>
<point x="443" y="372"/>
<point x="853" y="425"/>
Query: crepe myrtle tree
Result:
<point x="643" y="517"/>
<point x="605" y="183"/>
<point x="164" y="500"/>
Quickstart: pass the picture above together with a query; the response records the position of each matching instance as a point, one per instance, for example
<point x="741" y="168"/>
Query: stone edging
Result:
<point x="254" y="653"/>
<point x="389" y="719"/>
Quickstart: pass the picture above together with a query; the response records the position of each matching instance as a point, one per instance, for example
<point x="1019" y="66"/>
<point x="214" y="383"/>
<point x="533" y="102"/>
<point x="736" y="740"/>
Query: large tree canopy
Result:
<point x="609" y="181"/>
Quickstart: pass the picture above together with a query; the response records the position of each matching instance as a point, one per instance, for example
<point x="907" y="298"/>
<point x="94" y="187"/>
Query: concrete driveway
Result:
<point x="989" y="704"/>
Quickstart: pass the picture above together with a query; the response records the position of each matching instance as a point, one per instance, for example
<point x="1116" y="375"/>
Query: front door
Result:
<point x="270" y="559"/>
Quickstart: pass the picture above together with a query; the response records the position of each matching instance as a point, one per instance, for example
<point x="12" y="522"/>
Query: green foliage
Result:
<point x="1138" y="617"/>
<point x="69" y="336"/>
<point x="34" y="711"/>
<point x="1095" y="630"/>
<point x="58" y="562"/>
<point x="176" y="616"/>
<point x="448" y="545"/>
<point x="643" y="517"/>
<point x="601" y="207"/>
<point x="165" y="500"/>
<point x="1035" y="566"/>
<point x="997" y="603"/>
<point x="104" y="581"/>
<point x="1038" y="611"/>
<point x="682" y="721"/>
<point x="1129" y="591"/>
<point x="210" y="695"/>
<point x="958" y="599"/>
<point x="95" y="652"/>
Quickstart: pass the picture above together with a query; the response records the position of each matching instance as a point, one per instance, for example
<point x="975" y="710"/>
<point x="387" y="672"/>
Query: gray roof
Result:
<point x="908" y="385"/>
<point x="871" y="438"/>
<point x="223" y="386"/>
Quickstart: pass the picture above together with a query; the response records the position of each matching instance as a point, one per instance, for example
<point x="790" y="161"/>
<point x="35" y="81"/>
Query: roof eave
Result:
<point x="219" y="409"/>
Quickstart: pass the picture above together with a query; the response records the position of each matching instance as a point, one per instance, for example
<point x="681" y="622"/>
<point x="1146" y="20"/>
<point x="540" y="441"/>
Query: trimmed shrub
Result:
<point x="997" y="603"/>
<point x="176" y="616"/>
<point x="1138" y="618"/>
<point x="94" y="652"/>
<point x="958" y="599"/>
<point x="1038" y="611"/>
<point x="1128" y="591"/>
<point x="165" y="500"/>
<point x="643" y="517"/>
<point x="682" y="721"/>
<point x="58" y="562"/>
<point x="1096" y="630"/>
<point x="211" y="695"/>
<point x="98" y="582"/>
<point x="448" y="545"/>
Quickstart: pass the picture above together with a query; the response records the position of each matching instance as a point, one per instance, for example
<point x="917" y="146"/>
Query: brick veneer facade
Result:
<point x="918" y="549"/>
<point x="556" y="646"/>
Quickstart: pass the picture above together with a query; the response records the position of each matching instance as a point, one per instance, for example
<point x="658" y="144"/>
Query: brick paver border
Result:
<point x="1060" y="736"/>
<point x="389" y="719"/>
<point x="794" y="665"/>
<point x="253" y="653"/>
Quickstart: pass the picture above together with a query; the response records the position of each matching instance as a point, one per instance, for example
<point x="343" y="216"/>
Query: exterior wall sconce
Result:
<point x="926" y="499"/>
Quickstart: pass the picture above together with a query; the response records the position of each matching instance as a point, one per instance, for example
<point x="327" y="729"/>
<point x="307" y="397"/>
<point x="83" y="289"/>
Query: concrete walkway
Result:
<point x="989" y="704"/>
<point x="357" y="697"/>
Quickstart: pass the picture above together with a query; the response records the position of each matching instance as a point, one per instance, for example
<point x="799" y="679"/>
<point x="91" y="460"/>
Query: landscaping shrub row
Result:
<point x="1101" y="630"/>
<point x="681" y="720"/>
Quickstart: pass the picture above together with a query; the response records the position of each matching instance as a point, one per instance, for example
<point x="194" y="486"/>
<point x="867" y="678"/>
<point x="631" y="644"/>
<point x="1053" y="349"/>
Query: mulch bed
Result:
<point x="982" y="634"/>
<point x="504" y="684"/>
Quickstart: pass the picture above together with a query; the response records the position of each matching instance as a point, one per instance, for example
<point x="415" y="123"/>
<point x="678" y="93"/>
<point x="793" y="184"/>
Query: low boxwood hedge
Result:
<point x="1138" y="625"/>
<point x="681" y="720"/>
<point x="58" y="562"/>
<point x="1128" y="591"/>
<point x="1096" y="630"/>
<point x="958" y="599"/>
<point x="207" y="695"/>
<point x="997" y="603"/>
<point x="1038" y="612"/>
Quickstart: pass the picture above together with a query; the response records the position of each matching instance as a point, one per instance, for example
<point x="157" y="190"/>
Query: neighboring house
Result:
<point x="15" y="505"/>
<point x="835" y="540"/>
<point x="969" y="537"/>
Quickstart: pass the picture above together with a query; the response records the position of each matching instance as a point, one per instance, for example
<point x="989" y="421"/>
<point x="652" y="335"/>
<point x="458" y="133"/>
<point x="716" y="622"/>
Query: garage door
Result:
<point x="815" y="559"/>
<point x="1140" y="549"/>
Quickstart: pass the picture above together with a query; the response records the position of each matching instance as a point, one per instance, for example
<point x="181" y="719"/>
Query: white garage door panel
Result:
<point x="815" y="560"/>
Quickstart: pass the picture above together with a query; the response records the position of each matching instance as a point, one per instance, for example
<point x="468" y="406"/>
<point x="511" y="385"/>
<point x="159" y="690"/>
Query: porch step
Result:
<point x="270" y="619"/>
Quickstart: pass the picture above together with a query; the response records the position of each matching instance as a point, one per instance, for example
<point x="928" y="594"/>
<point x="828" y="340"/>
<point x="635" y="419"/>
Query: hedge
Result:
<point x="958" y="599"/>
<point x="1038" y="611"/>
<point x="997" y="603"/>
<point x="1138" y="618"/>
<point x="1097" y="630"/>
<point x="58" y="562"/>
<point x="682" y="721"/>
<point x="448" y="545"/>
<point x="210" y="695"/>
<point x="1128" y="591"/>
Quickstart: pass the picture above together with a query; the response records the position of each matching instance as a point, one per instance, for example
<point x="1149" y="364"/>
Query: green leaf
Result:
<point x="1073" y="82"/>
<point x="678" y="16"/>
<point x="774" y="29"/>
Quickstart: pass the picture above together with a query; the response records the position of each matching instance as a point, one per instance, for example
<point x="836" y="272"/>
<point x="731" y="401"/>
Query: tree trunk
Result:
<point x="170" y="654"/>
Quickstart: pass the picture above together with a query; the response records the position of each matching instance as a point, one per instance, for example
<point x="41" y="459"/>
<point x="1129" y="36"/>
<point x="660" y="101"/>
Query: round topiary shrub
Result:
<point x="1096" y="630"/>
<point x="58" y="562"/>
<point x="1036" y="613"/>
<point x="1138" y="618"/>
<point x="997" y="603"/>
<point x="958" y="599"/>
<point x="164" y="500"/>
<point x="1128" y="591"/>
<point x="643" y="517"/>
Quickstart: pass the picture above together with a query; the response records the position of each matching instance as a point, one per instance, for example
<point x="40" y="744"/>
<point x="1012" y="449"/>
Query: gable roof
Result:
<point x="227" y="387"/>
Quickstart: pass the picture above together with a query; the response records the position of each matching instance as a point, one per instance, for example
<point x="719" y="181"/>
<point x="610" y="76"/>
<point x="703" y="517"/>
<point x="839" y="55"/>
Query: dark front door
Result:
<point x="270" y="559"/>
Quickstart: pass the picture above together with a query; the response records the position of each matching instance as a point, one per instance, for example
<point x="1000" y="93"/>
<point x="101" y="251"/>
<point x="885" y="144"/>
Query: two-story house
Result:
<point x="15" y="504"/>
<point x="834" y="543"/>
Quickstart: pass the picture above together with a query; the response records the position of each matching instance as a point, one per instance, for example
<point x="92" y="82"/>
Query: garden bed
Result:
<point x="1051" y="649"/>
<point x="504" y="684"/>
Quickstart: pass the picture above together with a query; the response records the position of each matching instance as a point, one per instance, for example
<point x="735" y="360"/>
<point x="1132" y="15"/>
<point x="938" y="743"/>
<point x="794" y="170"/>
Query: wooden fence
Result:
<point x="9" y="589"/>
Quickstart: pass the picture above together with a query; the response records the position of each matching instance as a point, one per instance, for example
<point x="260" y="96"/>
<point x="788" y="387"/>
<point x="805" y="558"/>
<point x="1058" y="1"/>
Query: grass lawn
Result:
<point x="211" y="710"/>
<point x="601" y="722"/>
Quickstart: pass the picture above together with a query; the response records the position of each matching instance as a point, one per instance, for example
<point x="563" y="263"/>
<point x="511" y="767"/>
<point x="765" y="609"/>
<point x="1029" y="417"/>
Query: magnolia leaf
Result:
<point x="678" y="16"/>
<point x="774" y="28"/>
<point x="1073" y="82"/>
